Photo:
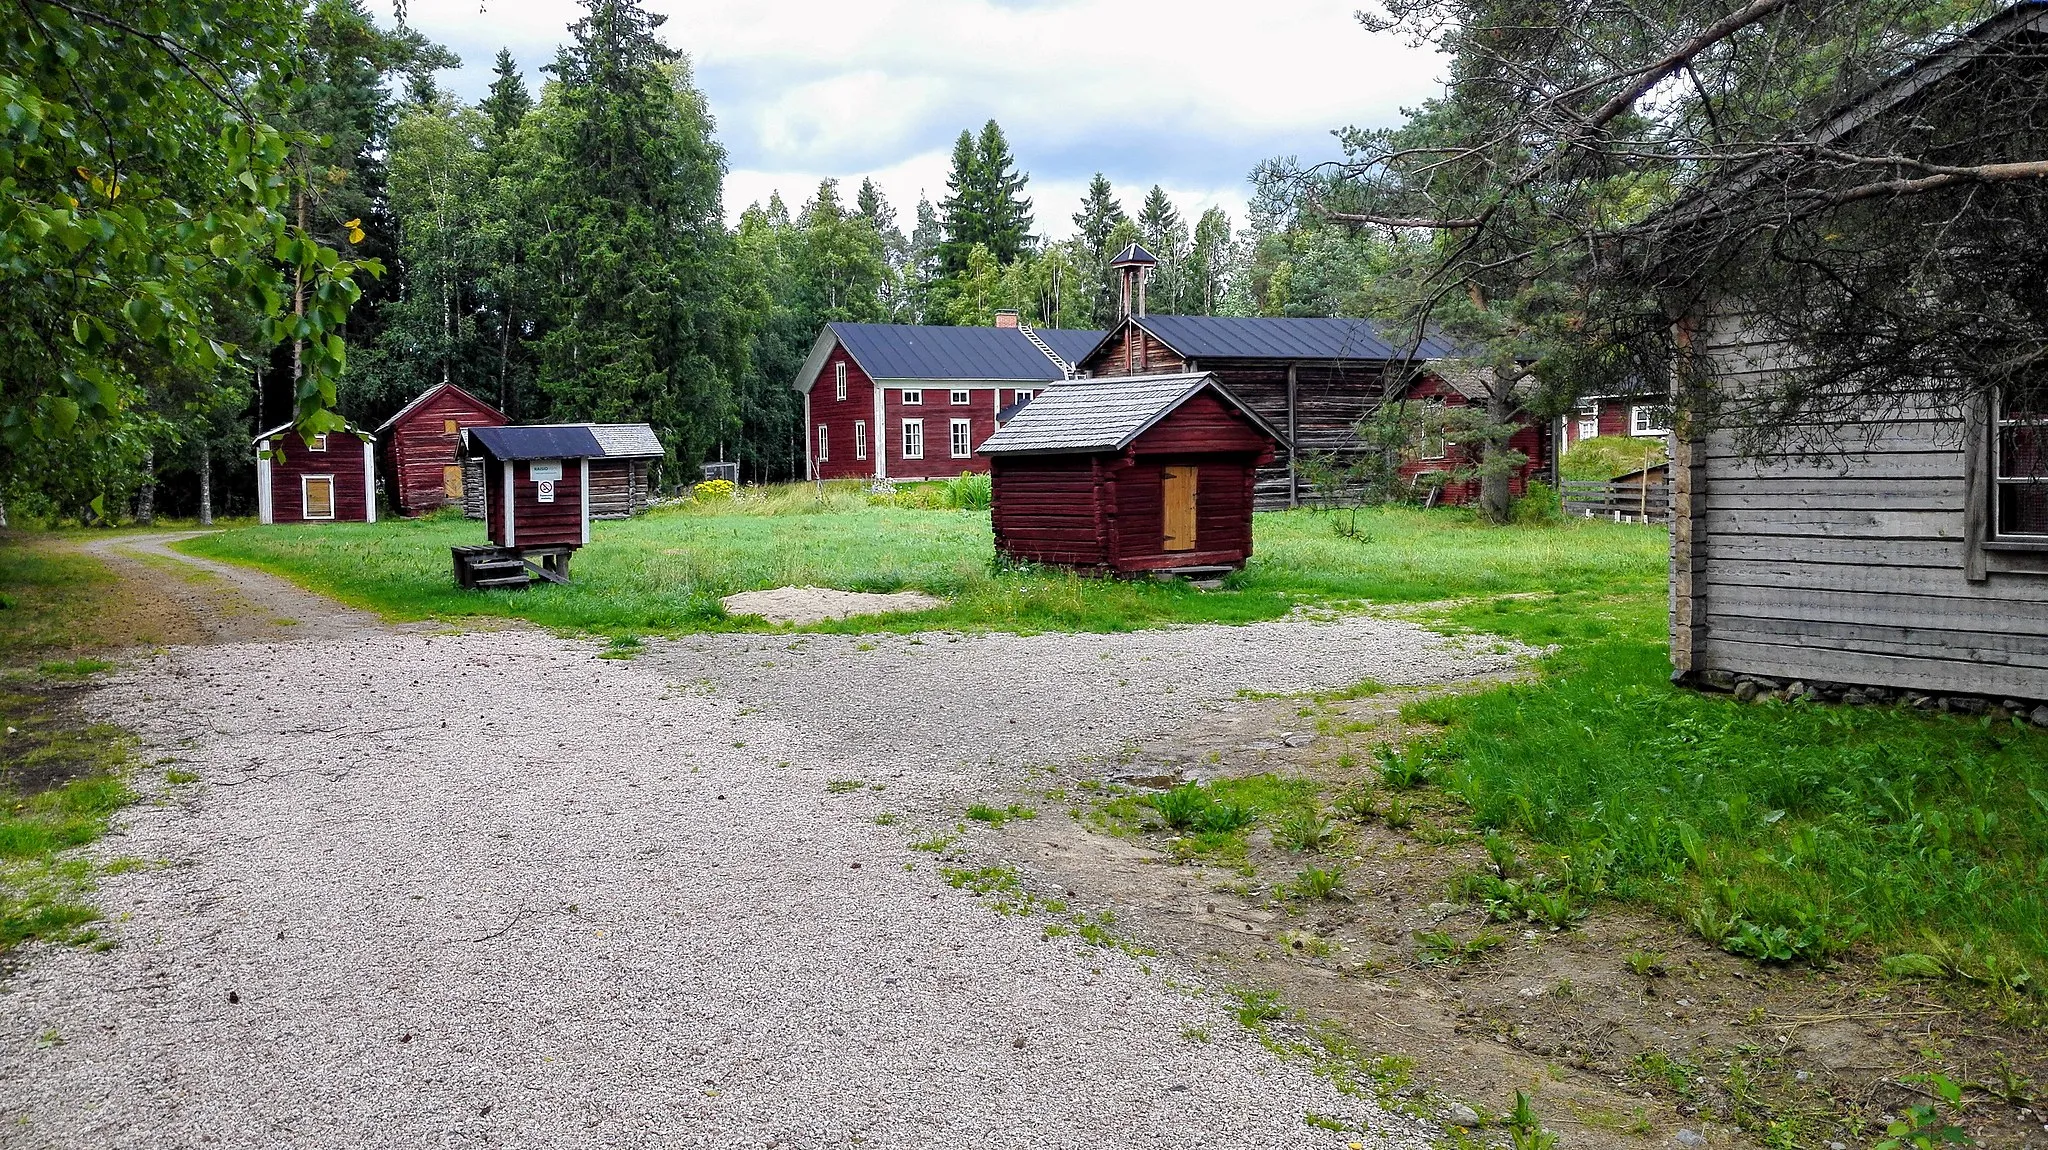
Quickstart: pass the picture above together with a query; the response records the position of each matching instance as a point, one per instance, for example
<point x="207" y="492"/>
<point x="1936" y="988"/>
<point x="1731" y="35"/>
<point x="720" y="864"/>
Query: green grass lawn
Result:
<point x="664" y="573"/>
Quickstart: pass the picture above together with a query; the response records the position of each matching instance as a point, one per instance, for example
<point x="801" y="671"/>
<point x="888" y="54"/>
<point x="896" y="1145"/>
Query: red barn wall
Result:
<point x="535" y="524"/>
<point x="343" y="460"/>
<point x="838" y="416"/>
<point x="421" y="446"/>
<point x="1046" y="509"/>
<point x="1529" y="439"/>
<point x="938" y="412"/>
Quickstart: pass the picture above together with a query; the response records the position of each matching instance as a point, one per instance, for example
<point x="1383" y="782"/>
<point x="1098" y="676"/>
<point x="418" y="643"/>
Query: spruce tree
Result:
<point x="1007" y="212"/>
<point x="963" y="213"/>
<point x="1094" y="224"/>
<point x="508" y="100"/>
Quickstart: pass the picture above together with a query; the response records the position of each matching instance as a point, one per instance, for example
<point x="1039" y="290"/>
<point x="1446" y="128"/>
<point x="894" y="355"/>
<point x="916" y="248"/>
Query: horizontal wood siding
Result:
<point x="1132" y="352"/>
<point x="343" y="459"/>
<point x="837" y="417"/>
<point x="1532" y="439"/>
<point x="536" y="524"/>
<point x="1204" y="425"/>
<point x="1223" y="513"/>
<point x="938" y="411"/>
<point x="420" y="446"/>
<point x="618" y="488"/>
<point x="1046" y="510"/>
<point x="1848" y="566"/>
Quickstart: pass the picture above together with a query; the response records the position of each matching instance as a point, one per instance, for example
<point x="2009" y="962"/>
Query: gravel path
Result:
<point x="459" y="889"/>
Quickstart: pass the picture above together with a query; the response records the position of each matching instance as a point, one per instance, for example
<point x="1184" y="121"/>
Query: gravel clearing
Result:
<point x="817" y="604"/>
<point x="456" y="889"/>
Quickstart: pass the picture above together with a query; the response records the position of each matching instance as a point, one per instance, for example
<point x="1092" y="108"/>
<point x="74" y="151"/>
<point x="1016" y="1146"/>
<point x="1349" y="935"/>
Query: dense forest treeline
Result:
<point x="563" y="254"/>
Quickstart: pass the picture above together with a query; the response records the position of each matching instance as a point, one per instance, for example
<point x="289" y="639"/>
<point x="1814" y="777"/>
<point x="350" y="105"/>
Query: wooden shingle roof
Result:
<point x="1105" y="414"/>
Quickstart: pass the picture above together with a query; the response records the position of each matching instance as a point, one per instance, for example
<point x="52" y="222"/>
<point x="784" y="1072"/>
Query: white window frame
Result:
<point x="1999" y="479"/>
<point x="1022" y="394"/>
<point x="1639" y="416"/>
<point x="824" y="443"/>
<point x="961" y="438"/>
<point x="1441" y="438"/>
<point x="913" y="439"/>
<point x="319" y="443"/>
<point x="961" y="397"/>
<point x="1589" y="423"/>
<point x="839" y="379"/>
<point x="333" y="497"/>
<point x="860" y="439"/>
<point x="913" y="397"/>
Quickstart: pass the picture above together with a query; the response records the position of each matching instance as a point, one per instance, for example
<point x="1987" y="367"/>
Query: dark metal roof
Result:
<point x="1276" y="337"/>
<point x="1009" y="413"/>
<point x="1104" y="414"/>
<point x="554" y="441"/>
<point x="906" y="351"/>
<point x="1133" y="254"/>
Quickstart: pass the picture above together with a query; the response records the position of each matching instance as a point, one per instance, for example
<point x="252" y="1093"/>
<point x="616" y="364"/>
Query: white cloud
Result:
<point x="1189" y="95"/>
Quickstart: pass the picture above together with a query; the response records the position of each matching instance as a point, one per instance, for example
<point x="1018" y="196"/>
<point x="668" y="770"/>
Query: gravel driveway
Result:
<point x="485" y="888"/>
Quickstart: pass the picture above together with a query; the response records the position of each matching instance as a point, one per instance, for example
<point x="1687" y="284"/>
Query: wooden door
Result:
<point x="451" y="481"/>
<point x="319" y="497"/>
<point x="1179" y="486"/>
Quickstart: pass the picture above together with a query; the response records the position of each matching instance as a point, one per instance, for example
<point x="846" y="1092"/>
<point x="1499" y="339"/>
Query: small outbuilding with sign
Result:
<point x="536" y="500"/>
<point x="330" y="478"/>
<point x="1130" y="474"/>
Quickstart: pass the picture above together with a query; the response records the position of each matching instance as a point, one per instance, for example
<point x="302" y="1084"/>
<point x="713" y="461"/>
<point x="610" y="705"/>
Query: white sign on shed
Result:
<point x="544" y="470"/>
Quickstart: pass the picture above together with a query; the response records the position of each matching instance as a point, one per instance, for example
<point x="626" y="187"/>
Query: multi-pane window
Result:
<point x="1023" y="395"/>
<point x="913" y="395"/>
<point x="963" y="436"/>
<point x="960" y="398"/>
<point x="839" y="379"/>
<point x="1589" y="423"/>
<point x="824" y="444"/>
<point x="1643" y="419"/>
<point x="1435" y="445"/>
<point x="860" y="439"/>
<point x="2020" y="472"/>
<point x="913" y="439"/>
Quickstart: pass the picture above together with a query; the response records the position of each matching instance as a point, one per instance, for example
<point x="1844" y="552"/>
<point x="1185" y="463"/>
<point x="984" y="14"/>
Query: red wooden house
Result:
<point x="1456" y="388"/>
<point x="1646" y="415"/>
<point x="329" y="478"/>
<point x="424" y="440"/>
<point x="1130" y="474"/>
<point x="900" y="401"/>
<point x="537" y="487"/>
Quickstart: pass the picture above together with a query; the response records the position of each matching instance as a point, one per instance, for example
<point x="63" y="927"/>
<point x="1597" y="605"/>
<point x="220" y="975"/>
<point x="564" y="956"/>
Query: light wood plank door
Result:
<point x="1179" y="485"/>
<point x="451" y="481"/>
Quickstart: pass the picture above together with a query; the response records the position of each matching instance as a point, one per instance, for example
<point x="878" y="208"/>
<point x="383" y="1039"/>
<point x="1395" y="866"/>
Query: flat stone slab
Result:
<point x="817" y="604"/>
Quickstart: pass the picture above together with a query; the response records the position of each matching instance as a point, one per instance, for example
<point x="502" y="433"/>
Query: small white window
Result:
<point x="963" y="436"/>
<point x="913" y="439"/>
<point x="839" y="379"/>
<point x="319" y="444"/>
<point x="860" y="439"/>
<point x="960" y="399"/>
<point x="1642" y="420"/>
<point x="1435" y="444"/>
<point x="1023" y="395"/>
<point x="316" y="496"/>
<point x="1589" y="423"/>
<point x="824" y="444"/>
<point x="913" y="395"/>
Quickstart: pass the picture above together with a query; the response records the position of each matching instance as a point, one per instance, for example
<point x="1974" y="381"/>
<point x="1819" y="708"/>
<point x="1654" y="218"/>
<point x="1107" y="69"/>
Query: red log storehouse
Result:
<point x="423" y="441"/>
<point x="1131" y="474"/>
<point x="898" y="401"/>
<point x="1437" y="460"/>
<point x="330" y="478"/>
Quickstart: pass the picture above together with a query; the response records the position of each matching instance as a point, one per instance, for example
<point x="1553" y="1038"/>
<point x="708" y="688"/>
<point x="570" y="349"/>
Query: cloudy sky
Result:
<point x="1188" y="95"/>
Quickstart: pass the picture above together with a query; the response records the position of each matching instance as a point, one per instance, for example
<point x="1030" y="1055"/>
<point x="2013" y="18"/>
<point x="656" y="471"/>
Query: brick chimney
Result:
<point x="1006" y="318"/>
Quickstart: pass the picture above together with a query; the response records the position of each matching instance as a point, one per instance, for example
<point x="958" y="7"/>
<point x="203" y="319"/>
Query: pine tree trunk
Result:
<point x="3" y="514"/>
<point x="1496" y="497"/>
<point x="205" y="483"/>
<point x="145" y="496"/>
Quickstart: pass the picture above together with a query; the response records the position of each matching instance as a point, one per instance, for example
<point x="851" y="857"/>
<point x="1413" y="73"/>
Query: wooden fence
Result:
<point x="1625" y="501"/>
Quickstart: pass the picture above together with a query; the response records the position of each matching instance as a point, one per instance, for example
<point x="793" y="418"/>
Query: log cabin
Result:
<point x="1312" y="378"/>
<point x="621" y="480"/>
<point x="1438" y="463"/>
<point x="1867" y="555"/>
<point x="424" y="440"/>
<point x="330" y="478"/>
<point x="909" y="402"/>
<point x="1130" y="475"/>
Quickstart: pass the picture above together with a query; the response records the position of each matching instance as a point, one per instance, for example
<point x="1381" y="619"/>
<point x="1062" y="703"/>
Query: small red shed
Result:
<point x="331" y="477"/>
<point x="536" y="502"/>
<point x="425" y="440"/>
<point x="1149" y="473"/>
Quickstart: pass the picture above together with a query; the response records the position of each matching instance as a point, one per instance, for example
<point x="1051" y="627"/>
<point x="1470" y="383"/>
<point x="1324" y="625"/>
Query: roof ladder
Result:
<point x="1066" y="369"/>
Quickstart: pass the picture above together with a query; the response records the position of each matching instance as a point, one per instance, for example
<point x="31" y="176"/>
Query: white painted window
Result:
<point x="2019" y="450"/>
<point x="963" y="436"/>
<point x="1589" y="423"/>
<point x="1435" y="444"/>
<point x="319" y="444"/>
<point x="913" y="439"/>
<point x="839" y="379"/>
<point x="1642" y="420"/>
<point x="1022" y="395"/>
<point x="824" y="444"/>
<point x="860" y="439"/>
<point x="316" y="496"/>
<point x="912" y="395"/>
<point x="960" y="398"/>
